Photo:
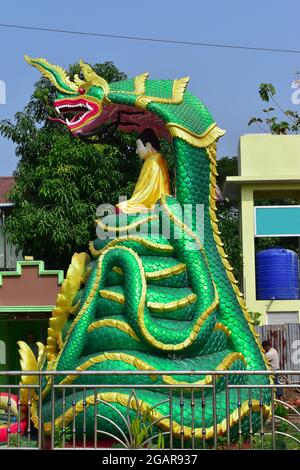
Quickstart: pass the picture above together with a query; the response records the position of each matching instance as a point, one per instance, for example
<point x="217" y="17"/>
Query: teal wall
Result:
<point x="277" y="221"/>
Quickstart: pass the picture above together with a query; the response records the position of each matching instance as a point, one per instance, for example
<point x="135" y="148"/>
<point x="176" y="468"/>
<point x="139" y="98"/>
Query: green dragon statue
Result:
<point x="147" y="301"/>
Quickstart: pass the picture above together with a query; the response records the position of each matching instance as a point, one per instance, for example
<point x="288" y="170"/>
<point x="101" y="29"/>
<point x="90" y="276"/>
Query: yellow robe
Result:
<point x="153" y="182"/>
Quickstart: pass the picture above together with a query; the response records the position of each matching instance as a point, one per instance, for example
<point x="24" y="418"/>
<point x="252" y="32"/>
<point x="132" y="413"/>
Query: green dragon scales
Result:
<point x="146" y="301"/>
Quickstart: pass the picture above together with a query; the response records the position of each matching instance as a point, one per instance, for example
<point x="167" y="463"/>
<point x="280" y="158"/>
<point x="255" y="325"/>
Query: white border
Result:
<point x="273" y="235"/>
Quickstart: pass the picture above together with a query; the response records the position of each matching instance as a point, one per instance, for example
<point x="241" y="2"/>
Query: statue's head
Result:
<point x="78" y="102"/>
<point x="146" y="142"/>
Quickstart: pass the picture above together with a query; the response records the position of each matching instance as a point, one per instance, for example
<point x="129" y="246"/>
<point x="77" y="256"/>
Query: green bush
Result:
<point x="281" y="411"/>
<point x="58" y="436"/>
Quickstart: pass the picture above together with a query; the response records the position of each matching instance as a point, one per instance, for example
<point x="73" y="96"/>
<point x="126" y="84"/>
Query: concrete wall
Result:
<point x="269" y="155"/>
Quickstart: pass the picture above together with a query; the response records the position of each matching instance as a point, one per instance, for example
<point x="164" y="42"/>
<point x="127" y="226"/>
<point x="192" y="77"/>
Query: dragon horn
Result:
<point x="92" y="78"/>
<point x="56" y="74"/>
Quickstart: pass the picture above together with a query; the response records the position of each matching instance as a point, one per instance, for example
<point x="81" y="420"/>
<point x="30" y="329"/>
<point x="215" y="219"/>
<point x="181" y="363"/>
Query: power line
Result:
<point x="158" y="40"/>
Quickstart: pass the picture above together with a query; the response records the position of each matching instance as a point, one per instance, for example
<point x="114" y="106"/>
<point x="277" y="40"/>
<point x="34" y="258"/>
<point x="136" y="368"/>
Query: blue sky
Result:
<point x="226" y="80"/>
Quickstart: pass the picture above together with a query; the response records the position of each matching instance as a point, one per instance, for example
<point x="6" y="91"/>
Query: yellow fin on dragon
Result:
<point x="152" y="299"/>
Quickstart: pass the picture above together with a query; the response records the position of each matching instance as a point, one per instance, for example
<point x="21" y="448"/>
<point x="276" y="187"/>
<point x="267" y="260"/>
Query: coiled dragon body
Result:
<point x="147" y="299"/>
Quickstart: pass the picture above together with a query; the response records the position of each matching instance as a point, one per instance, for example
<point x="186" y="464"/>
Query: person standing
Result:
<point x="273" y="359"/>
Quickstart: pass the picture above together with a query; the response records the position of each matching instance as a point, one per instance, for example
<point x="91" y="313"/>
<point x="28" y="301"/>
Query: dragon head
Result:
<point x="80" y="102"/>
<point x="93" y="110"/>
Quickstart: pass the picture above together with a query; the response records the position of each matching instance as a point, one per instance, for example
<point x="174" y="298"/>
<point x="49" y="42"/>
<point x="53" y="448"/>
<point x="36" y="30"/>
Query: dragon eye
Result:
<point x="81" y="90"/>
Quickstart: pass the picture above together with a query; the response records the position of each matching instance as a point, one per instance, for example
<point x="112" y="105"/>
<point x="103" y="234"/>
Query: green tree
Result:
<point x="60" y="181"/>
<point x="227" y="166"/>
<point x="271" y="123"/>
<point x="228" y="215"/>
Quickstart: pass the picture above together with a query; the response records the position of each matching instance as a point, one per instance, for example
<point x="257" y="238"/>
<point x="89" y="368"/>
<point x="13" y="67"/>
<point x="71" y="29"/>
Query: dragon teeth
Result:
<point x="87" y="107"/>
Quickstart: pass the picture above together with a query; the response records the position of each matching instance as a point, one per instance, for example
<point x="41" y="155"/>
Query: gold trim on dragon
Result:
<point x="161" y="421"/>
<point x="64" y="302"/>
<point x="114" y="296"/>
<point x="162" y="274"/>
<point x="159" y="247"/>
<point x="125" y="228"/>
<point x="174" y="305"/>
<point x="140" y="364"/>
<point x="112" y="323"/>
<point x="153" y="341"/>
<point x="153" y="306"/>
<point x="221" y="327"/>
<point x="178" y="90"/>
<point x="208" y="137"/>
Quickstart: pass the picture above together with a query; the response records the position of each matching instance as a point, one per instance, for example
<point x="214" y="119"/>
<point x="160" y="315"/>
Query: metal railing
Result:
<point x="33" y="419"/>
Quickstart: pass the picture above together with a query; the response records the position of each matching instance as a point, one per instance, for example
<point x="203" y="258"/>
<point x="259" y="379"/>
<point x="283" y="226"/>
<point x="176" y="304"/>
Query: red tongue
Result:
<point x="57" y="120"/>
<point x="78" y="115"/>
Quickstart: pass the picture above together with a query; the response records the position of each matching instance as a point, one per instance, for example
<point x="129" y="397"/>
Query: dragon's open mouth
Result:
<point x="75" y="113"/>
<point x="88" y="118"/>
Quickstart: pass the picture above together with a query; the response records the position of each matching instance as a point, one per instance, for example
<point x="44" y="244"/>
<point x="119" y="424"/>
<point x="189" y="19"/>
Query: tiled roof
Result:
<point x="6" y="183"/>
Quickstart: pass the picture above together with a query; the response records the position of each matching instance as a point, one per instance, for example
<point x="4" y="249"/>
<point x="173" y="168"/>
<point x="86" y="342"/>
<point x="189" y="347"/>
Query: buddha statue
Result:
<point x="154" y="179"/>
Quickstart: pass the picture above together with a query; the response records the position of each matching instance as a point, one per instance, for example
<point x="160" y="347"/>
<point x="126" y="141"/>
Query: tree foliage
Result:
<point x="271" y="123"/>
<point x="228" y="215"/>
<point x="59" y="180"/>
<point x="227" y="166"/>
